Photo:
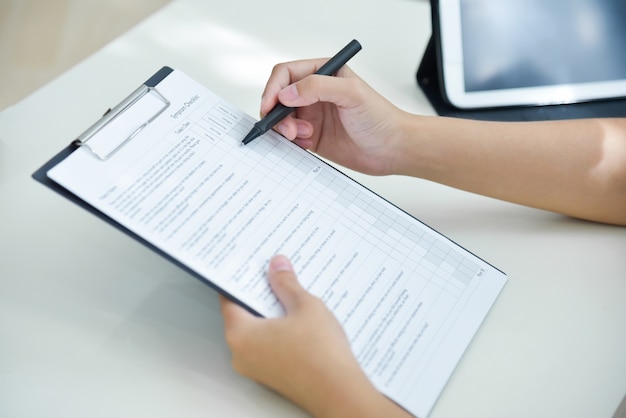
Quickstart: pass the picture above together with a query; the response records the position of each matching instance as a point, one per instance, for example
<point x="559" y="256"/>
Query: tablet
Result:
<point x="496" y="53"/>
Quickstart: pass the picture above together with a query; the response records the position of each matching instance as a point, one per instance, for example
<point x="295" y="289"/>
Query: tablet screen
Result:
<point x="526" y="43"/>
<point x="519" y="52"/>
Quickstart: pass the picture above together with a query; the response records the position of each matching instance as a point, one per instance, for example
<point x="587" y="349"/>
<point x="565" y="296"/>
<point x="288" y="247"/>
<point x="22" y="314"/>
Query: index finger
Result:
<point x="285" y="74"/>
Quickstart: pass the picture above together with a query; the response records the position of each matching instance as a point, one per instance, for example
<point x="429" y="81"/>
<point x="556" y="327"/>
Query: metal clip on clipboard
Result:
<point x="124" y="121"/>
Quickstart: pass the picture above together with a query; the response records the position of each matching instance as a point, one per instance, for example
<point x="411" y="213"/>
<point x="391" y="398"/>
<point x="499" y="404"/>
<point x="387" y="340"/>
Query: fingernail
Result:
<point x="304" y="130"/>
<point x="262" y="106"/>
<point x="280" y="263"/>
<point x="289" y="93"/>
<point x="282" y="128"/>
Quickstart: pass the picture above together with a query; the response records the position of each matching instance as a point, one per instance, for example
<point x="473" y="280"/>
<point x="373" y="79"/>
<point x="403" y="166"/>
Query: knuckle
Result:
<point x="278" y="67"/>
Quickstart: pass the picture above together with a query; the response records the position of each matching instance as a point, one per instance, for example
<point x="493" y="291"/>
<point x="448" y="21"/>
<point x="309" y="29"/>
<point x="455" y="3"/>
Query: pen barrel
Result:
<point x="340" y="59"/>
<point x="278" y="113"/>
<point x="333" y="65"/>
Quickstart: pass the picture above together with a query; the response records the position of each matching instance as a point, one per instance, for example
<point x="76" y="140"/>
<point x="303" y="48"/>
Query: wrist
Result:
<point x="412" y="147"/>
<point x="355" y="397"/>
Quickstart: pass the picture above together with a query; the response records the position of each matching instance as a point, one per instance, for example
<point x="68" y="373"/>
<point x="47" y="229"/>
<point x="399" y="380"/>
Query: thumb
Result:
<point x="285" y="284"/>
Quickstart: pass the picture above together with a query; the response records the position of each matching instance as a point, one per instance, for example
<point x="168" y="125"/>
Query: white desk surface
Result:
<point x="92" y="324"/>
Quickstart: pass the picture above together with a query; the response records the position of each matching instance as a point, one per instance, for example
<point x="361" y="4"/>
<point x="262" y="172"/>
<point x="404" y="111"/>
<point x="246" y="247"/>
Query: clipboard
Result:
<point x="333" y="228"/>
<point x="40" y="175"/>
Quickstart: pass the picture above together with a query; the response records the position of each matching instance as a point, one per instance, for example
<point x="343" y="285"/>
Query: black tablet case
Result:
<point x="429" y="78"/>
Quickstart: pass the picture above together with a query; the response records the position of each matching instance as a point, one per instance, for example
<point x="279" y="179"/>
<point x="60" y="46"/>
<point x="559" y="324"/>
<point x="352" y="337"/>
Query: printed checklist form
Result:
<point x="169" y="168"/>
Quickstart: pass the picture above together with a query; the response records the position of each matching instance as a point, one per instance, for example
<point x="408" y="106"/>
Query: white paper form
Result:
<point x="409" y="299"/>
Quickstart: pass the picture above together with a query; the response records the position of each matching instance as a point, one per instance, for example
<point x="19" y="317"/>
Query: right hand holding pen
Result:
<point x="340" y="118"/>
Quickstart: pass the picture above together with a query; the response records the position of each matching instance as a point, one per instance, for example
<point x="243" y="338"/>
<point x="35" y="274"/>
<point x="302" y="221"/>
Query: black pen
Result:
<point x="280" y="111"/>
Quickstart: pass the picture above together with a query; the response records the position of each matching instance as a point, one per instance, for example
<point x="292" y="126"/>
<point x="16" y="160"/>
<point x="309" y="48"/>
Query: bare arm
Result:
<point x="577" y="167"/>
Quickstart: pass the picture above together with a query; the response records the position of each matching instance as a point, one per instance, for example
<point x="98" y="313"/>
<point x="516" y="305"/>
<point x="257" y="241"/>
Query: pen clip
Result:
<point x="117" y="119"/>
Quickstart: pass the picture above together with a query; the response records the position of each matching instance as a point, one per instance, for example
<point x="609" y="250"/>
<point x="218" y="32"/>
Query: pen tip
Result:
<point x="253" y="134"/>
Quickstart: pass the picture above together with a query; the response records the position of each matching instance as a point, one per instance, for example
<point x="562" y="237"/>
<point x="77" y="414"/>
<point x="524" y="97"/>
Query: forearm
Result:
<point x="573" y="167"/>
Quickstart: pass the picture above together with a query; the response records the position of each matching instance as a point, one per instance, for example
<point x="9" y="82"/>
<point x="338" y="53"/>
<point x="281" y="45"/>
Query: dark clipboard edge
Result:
<point x="429" y="77"/>
<point x="159" y="76"/>
<point x="41" y="175"/>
